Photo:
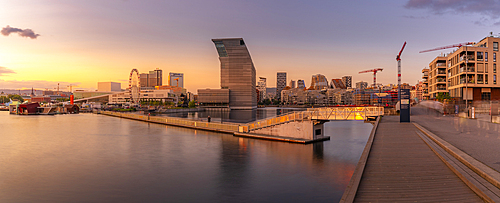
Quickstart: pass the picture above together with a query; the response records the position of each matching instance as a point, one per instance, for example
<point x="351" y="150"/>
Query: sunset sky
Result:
<point x="85" y="42"/>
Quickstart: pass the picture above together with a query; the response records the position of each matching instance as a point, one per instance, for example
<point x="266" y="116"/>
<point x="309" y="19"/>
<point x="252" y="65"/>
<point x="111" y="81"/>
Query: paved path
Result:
<point x="478" y="139"/>
<point x="402" y="168"/>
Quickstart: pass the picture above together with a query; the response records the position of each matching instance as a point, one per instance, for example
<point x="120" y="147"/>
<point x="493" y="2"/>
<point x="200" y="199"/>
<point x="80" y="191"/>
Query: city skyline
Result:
<point x="83" y="43"/>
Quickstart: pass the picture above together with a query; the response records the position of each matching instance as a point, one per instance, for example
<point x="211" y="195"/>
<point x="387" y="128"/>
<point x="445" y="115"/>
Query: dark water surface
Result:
<point x="95" y="158"/>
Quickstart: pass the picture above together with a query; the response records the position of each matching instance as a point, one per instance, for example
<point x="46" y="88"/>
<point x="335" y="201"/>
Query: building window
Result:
<point x="479" y="56"/>
<point x="480" y="79"/>
<point x="494" y="79"/>
<point x="486" y="96"/>
<point x="494" y="68"/>
<point x="494" y="57"/>
<point x="221" y="49"/>
<point x="486" y="79"/>
<point x="485" y="56"/>
<point x="486" y="68"/>
<point x="495" y="46"/>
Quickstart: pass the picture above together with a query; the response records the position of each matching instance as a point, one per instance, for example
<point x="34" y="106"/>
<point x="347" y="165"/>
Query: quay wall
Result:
<point x="298" y="129"/>
<point x="202" y="125"/>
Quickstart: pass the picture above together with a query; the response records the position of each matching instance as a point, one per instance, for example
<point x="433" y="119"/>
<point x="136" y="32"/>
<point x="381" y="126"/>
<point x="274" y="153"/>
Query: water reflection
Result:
<point x="94" y="158"/>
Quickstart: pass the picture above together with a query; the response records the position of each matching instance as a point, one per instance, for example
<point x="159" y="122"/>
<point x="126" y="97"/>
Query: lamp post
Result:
<point x="466" y="81"/>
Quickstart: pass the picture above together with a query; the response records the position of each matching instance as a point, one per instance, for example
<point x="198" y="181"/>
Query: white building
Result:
<point x="109" y="87"/>
<point x="145" y="95"/>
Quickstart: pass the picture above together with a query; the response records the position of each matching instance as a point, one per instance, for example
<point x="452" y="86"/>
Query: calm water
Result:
<point x="95" y="158"/>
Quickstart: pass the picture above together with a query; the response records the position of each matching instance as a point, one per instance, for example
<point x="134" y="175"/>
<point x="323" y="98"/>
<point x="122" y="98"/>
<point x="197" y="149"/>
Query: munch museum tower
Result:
<point x="237" y="72"/>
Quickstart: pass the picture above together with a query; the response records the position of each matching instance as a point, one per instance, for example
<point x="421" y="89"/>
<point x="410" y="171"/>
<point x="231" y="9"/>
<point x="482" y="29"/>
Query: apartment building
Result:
<point x="471" y="72"/>
<point x="437" y="76"/>
<point x="425" y="83"/>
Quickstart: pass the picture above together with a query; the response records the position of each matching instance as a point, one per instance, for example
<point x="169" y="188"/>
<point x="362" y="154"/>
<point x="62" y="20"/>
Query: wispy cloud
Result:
<point x="4" y="70"/>
<point x="38" y="84"/>
<point x="415" y="17"/>
<point x="488" y="8"/>
<point x="6" y="31"/>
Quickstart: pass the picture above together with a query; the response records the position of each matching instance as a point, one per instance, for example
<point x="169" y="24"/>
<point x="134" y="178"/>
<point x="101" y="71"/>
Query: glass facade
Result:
<point x="220" y="48"/>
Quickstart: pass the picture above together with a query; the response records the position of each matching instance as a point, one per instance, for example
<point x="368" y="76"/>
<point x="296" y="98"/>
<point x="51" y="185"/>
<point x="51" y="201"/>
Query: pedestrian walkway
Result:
<point x="479" y="139"/>
<point x="402" y="168"/>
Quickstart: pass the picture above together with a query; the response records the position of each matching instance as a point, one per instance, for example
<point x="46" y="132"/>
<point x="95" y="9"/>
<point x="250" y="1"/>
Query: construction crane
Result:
<point x="71" y="87"/>
<point x="374" y="74"/>
<point x="177" y="79"/>
<point x="447" y="47"/>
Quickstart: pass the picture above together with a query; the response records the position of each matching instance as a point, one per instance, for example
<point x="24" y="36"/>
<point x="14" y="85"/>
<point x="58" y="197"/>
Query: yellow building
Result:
<point x="437" y="76"/>
<point x="425" y="83"/>
<point x="470" y="72"/>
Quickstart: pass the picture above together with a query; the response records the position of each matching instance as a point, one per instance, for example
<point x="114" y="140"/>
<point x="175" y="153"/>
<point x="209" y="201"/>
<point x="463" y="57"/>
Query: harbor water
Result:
<point x="97" y="158"/>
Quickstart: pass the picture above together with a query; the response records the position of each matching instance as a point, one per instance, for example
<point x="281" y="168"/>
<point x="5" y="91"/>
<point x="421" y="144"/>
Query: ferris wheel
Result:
<point x="134" y="86"/>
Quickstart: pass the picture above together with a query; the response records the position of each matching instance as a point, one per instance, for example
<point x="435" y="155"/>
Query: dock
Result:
<point x="400" y="165"/>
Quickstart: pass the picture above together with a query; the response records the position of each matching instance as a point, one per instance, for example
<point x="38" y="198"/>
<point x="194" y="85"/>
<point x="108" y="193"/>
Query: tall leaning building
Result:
<point x="237" y="72"/>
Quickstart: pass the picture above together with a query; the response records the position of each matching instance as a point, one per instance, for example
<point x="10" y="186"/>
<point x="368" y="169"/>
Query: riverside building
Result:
<point x="237" y="75"/>
<point x="470" y="72"/>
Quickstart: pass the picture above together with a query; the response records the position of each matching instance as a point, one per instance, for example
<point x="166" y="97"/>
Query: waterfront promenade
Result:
<point x="435" y="158"/>
<point x="477" y="138"/>
<point x="400" y="167"/>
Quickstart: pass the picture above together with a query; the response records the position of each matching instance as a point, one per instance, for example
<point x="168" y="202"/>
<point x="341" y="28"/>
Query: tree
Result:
<point x="16" y="97"/>
<point x="192" y="104"/>
<point x="4" y="99"/>
<point x="442" y="96"/>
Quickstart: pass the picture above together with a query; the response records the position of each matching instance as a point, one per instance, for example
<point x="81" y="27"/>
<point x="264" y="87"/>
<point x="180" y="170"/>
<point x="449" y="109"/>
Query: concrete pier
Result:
<point x="240" y="130"/>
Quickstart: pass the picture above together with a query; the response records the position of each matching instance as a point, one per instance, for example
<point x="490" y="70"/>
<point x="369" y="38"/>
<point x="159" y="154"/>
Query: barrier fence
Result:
<point x="177" y="121"/>
<point x="329" y="113"/>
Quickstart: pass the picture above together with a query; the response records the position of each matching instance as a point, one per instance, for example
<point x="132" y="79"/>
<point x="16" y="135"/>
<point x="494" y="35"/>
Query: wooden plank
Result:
<point x="402" y="168"/>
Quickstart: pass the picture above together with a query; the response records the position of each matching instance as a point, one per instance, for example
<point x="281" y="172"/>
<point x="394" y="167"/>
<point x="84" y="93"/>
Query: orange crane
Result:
<point x="447" y="47"/>
<point x="177" y="79"/>
<point x="374" y="74"/>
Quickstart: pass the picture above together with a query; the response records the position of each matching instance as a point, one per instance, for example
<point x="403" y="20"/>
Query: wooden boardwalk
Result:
<point x="402" y="168"/>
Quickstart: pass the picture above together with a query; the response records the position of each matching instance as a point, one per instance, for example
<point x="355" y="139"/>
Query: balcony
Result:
<point x="470" y="81"/>
<point x="469" y="69"/>
<point x="440" y="80"/>
<point x="441" y="72"/>
<point x="441" y="64"/>
<point x="470" y="57"/>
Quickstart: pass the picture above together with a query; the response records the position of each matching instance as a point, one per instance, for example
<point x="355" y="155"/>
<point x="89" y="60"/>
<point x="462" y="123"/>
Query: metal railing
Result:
<point x="327" y="113"/>
<point x="178" y="121"/>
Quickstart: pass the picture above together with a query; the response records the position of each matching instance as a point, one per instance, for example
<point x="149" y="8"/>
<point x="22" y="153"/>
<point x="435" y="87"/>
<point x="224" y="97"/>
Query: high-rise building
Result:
<point x="347" y="80"/>
<point x="262" y="86"/>
<point x="301" y="84"/>
<point x="292" y="84"/>
<point x="280" y="83"/>
<point x="237" y="72"/>
<point x="319" y="82"/>
<point x="361" y="85"/>
<point x="152" y="79"/>
<point x="176" y="79"/>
